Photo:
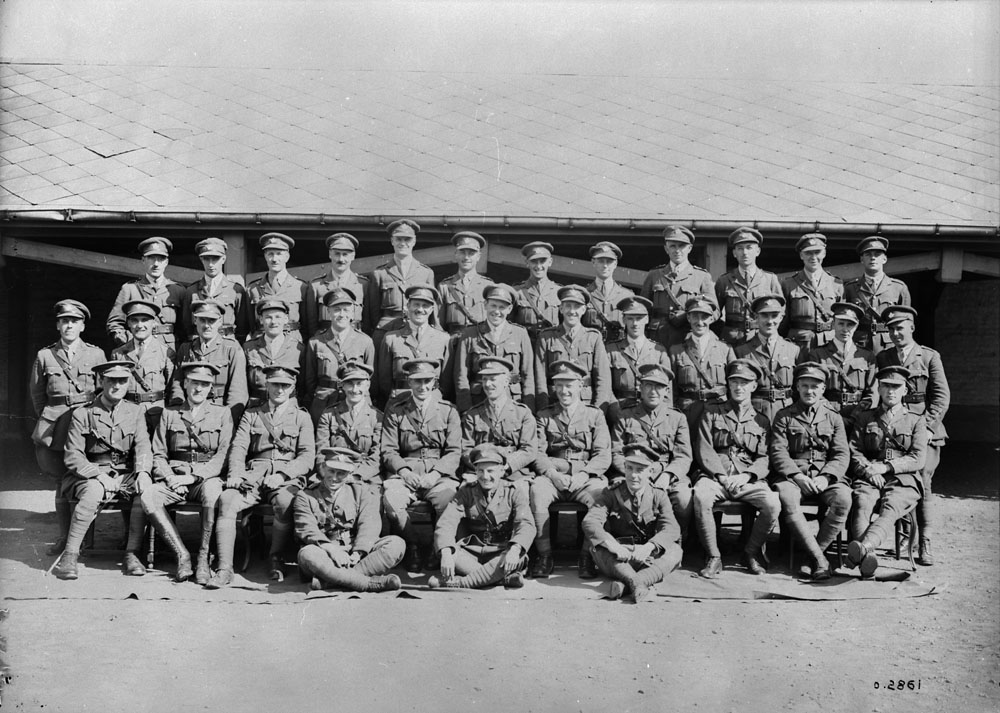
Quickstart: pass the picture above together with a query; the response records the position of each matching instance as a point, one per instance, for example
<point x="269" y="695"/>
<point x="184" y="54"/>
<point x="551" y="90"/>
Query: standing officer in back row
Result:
<point x="809" y="296"/>
<point x="605" y="294"/>
<point x="154" y="286"/>
<point x="416" y="338"/>
<point x="699" y="362"/>
<point x="278" y="284"/>
<point x="775" y="357"/>
<point x="634" y="351"/>
<point x="737" y="289"/>
<point x="462" y="293"/>
<point x="873" y="292"/>
<point x="670" y="286"/>
<point x="387" y="286"/>
<point x="341" y="248"/>
<point x="216" y="286"/>
<point x="537" y="305"/>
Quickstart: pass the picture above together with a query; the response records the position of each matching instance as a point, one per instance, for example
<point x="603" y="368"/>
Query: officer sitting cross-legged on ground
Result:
<point x="731" y="453"/>
<point x="272" y="452"/>
<point x="809" y="459"/>
<point x="107" y="450"/>
<point x="485" y="532"/>
<point x="636" y="540"/>
<point x="888" y="450"/>
<point x="337" y="521"/>
<point x="574" y="453"/>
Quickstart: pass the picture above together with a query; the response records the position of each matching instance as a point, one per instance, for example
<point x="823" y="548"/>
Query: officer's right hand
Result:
<point x="560" y="480"/>
<point x="233" y="484"/>
<point x="877" y="480"/>
<point x="620" y="552"/>
<point x="411" y="479"/>
<point x="447" y="563"/>
<point x="805" y="484"/>
<point x="338" y="554"/>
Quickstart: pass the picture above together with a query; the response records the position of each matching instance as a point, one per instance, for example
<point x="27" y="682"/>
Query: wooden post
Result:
<point x="237" y="256"/>
<point x="716" y="250"/>
<point x="952" y="260"/>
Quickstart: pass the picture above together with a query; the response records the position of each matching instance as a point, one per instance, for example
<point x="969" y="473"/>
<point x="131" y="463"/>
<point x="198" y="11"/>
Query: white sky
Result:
<point x="912" y="41"/>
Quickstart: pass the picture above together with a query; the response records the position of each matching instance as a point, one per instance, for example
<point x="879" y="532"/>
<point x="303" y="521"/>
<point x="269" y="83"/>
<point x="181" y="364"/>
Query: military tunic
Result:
<point x="168" y="296"/>
<point x="348" y="516"/>
<point x="808" y="309"/>
<point x="928" y="394"/>
<point x="230" y="385"/>
<point x="537" y="306"/>
<point x="325" y="354"/>
<point x="150" y="376"/>
<point x="462" y="305"/>
<point x="663" y="429"/>
<point x="602" y="313"/>
<point x="775" y="389"/>
<point x="485" y="524"/>
<point x="291" y="290"/>
<point x="229" y="294"/>
<point x="669" y="289"/>
<point x="699" y="374"/>
<point x="479" y="341"/>
<point x="625" y="358"/>
<point x="402" y="345"/>
<point x="735" y="294"/>
<point x="386" y="298"/>
<point x="873" y="298"/>
<point x="512" y="430"/>
<point x="57" y="385"/>
<point x="361" y="431"/>
<point x="259" y="356"/>
<point x="587" y="349"/>
<point x="200" y="442"/>
<point x="850" y="383"/>
<point x="318" y="315"/>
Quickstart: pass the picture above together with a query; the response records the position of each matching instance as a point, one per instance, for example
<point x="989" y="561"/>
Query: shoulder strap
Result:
<point x="282" y="444"/>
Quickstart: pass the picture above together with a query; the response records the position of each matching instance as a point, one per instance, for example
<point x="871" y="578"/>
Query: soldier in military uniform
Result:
<point x="484" y="533"/>
<point x="273" y="451"/>
<point x="154" y="287"/>
<point x="215" y="286"/>
<point x="572" y="341"/>
<point x="494" y="336"/>
<point x="153" y="361"/>
<point x="888" y="450"/>
<point x="775" y="357"/>
<point x="107" y="450"/>
<point x="699" y="362"/>
<point x="809" y="458"/>
<point x="850" y="369"/>
<point x="809" y="295"/>
<point x="462" y="293"/>
<point x="929" y="396"/>
<point x="337" y="521"/>
<point x="574" y="453"/>
<point x="61" y="379"/>
<point x="278" y="284"/>
<point x="635" y="539"/>
<point x="352" y="422"/>
<point x="230" y="388"/>
<point x="189" y="454"/>
<point x="421" y="450"/>
<point x="387" y="286"/>
<point x="731" y="454"/>
<point x="670" y="286"/>
<point x="501" y="421"/>
<point x="537" y="306"/>
<point x="416" y="339"/>
<point x="329" y="350"/>
<point x="602" y="312"/>
<point x="664" y="430"/>
<point x="873" y="292"/>
<point x="737" y="289"/>
<point x="318" y="313"/>
<point x="273" y="346"/>
<point x="632" y="352"/>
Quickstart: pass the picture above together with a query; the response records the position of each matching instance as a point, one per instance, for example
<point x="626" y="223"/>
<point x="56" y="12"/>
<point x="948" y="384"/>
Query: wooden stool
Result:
<point x="250" y="532"/>
<point x="817" y="513"/>
<point x="746" y="513"/>
<point x="568" y="508"/>
<point x="422" y="518"/>
<point x="108" y="505"/>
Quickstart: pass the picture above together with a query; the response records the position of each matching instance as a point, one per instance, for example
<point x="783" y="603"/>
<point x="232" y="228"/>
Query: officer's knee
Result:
<point x="393" y="545"/>
<point x="789" y="497"/>
<point x="90" y="492"/>
<point x="230" y="504"/>
<point x="150" y="499"/>
<point x="211" y="491"/>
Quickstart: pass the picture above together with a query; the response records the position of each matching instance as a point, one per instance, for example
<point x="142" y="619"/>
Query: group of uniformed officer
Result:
<point x="347" y="402"/>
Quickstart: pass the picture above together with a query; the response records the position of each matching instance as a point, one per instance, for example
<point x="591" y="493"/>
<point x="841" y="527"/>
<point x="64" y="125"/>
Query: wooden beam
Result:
<point x="951" y="265"/>
<point x="904" y="265"/>
<point x="976" y="264"/>
<point x="581" y="270"/>
<point x="87" y="260"/>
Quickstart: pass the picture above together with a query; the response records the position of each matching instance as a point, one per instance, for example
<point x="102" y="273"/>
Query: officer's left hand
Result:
<point x="447" y="564"/>
<point x="274" y="481"/>
<point x="642" y="553"/>
<point x="338" y="554"/>
<point x="877" y="480"/>
<point x="805" y="484"/>
<point x="511" y="559"/>
<point x="355" y="558"/>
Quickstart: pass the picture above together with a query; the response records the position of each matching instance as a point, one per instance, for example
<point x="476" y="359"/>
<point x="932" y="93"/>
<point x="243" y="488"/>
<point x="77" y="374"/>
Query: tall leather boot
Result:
<point x="64" y="514"/>
<point x="168" y="531"/>
<point x="800" y="532"/>
<point x="202" y="572"/>
<point x="753" y="552"/>
<point x="225" y="544"/>
<point x="131" y="564"/>
<point x="646" y="581"/>
<point x="280" y="534"/>
<point x="923" y="511"/>
<point x="83" y="516"/>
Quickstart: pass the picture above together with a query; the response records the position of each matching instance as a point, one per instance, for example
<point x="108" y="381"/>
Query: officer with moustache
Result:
<point x="635" y="350"/>
<point x="272" y="347"/>
<point x="850" y="369"/>
<point x="152" y="360"/>
<point x="603" y="313"/>
<point x="699" y="362"/>
<point x="215" y="286"/>
<point x="341" y="248"/>
<point x="737" y="289"/>
<point x="775" y="357"/>
<point x="810" y="294"/>
<point x="352" y="422"/>
<point x="636" y="541"/>
<point x="484" y="533"/>
<point x="416" y="339"/>
<point x="537" y="306"/>
<point x="278" y="284"/>
<point x="874" y="292"/>
<point x="462" y="293"/>
<point x="153" y="287"/>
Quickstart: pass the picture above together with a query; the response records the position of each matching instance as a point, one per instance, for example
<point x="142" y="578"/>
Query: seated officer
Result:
<point x="633" y="351"/>
<point x="416" y="339"/>
<point x="636" y="540"/>
<point x="809" y="459"/>
<point x="664" y="431"/>
<point x="337" y="521"/>
<point x="738" y="288"/>
<point x="421" y="449"/>
<point x="537" y="306"/>
<point x="774" y="356"/>
<point x="230" y="387"/>
<point x="61" y="379"/>
<point x="699" y="362"/>
<point x="605" y="294"/>
<point x="152" y="360"/>
<point x="341" y="342"/>
<point x="485" y="532"/>
<point x="573" y="342"/>
<point x="500" y="421"/>
<point x="731" y="454"/>
<point x="850" y="380"/>
<point x="271" y="455"/>
<point x="574" y="453"/>
<point x="352" y="422"/>
<point x="462" y="293"/>
<point x="888" y="450"/>
<point x="189" y="453"/>
<point x="273" y="346"/>
<point x="107" y="450"/>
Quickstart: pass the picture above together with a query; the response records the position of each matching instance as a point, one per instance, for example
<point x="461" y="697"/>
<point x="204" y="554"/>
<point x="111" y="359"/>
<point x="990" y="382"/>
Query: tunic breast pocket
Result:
<point x="721" y="437"/>
<point x="797" y="439"/>
<point x="177" y="438"/>
<point x="755" y="442"/>
<point x="168" y="313"/>
<point x="581" y="437"/>
<point x="326" y="363"/>
<point x="56" y="382"/>
<point x="872" y="437"/>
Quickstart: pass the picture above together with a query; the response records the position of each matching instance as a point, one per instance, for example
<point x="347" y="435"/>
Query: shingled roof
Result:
<point x="355" y="142"/>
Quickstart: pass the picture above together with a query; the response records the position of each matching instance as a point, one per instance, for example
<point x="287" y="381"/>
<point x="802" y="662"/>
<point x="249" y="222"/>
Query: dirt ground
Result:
<point x="85" y="646"/>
